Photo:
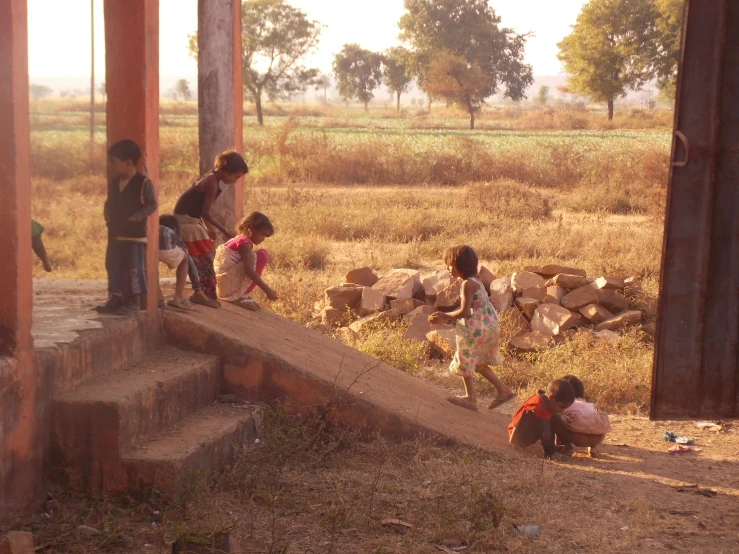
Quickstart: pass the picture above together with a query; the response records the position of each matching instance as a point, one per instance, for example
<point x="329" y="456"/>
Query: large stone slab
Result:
<point x="372" y="302"/>
<point x="550" y="270"/>
<point x="580" y="297"/>
<point x="501" y="294"/>
<point x="569" y="282"/>
<point x="595" y="314"/>
<point x="434" y="284"/>
<point x="550" y="319"/>
<point x="343" y="297"/>
<point x="522" y="280"/>
<point x="555" y="295"/>
<point x="620" y="321"/>
<point x="449" y="299"/>
<point x="527" y="306"/>
<point x="405" y="306"/>
<point x="612" y="301"/>
<point x="443" y="341"/>
<point x="399" y="284"/>
<point x="364" y="276"/>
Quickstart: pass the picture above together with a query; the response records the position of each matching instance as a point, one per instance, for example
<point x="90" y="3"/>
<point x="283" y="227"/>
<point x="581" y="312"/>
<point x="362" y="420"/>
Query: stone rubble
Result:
<point x="541" y="306"/>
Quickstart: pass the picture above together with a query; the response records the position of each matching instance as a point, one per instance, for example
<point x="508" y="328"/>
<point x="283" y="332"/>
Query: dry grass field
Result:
<point x="345" y="189"/>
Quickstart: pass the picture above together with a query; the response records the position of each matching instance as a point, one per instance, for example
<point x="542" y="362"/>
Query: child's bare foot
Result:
<point x="464" y="402"/>
<point x="558" y="457"/>
<point x="594" y="452"/>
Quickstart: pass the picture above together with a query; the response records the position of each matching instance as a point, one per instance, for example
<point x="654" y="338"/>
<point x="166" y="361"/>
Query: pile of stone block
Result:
<point x="367" y="301"/>
<point x="544" y="304"/>
<point x="552" y="302"/>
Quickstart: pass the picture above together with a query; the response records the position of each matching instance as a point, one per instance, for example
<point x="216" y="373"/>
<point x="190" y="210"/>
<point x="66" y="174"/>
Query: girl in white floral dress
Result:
<point x="478" y="330"/>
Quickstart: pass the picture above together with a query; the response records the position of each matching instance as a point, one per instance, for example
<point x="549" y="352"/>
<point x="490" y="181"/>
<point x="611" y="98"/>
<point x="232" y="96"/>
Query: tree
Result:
<point x="275" y="39"/>
<point x="543" y="97"/>
<point x="611" y="49"/>
<point x="396" y="71"/>
<point x="182" y="88"/>
<point x="358" y="72"/>
<point x="458" y="32"/>
<point x="454" y="78"/>
<point x="669" y="25"/>
<point x="37" y="92"/>
<point x="102" y="89"/>
<point x="324" y="83"/>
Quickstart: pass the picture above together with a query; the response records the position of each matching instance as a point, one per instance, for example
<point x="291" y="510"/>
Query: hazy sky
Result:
<point x="59" y="32"/>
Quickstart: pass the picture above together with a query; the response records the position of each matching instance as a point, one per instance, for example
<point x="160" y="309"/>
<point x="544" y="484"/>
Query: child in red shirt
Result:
<point x="532" y="422"/>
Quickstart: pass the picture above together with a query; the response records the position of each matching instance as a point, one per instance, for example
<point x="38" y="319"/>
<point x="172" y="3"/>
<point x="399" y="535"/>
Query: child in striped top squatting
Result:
<point x="239" y="266"/>
<point x="478" y="330"/>
<point x="173" y="253"/>
<point x="131" y="200"/>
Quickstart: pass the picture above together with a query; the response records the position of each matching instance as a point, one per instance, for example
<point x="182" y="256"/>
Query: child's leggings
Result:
<point x="262" y="259"/>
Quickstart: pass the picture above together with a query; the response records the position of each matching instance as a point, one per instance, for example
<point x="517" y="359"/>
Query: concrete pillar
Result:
<point x="20" y="458"/>
<point x="132" y="85"/>
<point x="220" y="94"/>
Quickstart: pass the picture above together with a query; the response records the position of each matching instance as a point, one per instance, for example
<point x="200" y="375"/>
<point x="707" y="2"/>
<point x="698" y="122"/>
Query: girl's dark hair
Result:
<point x="463" y="258"/>
<point x="170" y="221"/>
<point x="256" y="221"/>
<point x="577" y="385"/>
<point x="231" y="162"/>
<point x="562" y="391"/>
<point x="124" y="150"/>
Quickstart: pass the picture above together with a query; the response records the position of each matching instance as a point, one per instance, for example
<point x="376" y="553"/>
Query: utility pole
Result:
<point x="92" y="81"/>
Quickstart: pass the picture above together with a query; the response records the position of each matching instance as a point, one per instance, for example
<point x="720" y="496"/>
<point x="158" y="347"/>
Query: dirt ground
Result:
<point x="305" y="489"/>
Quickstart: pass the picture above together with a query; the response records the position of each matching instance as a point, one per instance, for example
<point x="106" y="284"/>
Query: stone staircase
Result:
<point x="150" y="424"/>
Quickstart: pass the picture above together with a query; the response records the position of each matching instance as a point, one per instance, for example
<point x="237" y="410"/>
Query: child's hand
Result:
<point x="132" y="218"/>
<point x="438" y="317"/>
<point x="271" y="294"/>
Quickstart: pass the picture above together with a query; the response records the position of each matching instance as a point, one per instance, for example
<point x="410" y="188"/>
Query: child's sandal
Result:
<point x="205" y="301"/>
<point x="463" y="403"/>
<point x="248" y="304"/>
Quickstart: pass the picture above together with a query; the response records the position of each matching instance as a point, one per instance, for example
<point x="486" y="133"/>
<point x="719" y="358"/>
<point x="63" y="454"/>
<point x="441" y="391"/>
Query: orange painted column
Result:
<point x="132" y="85"/>
<point x="220" y="96"/>
<point x="20" y="454"/>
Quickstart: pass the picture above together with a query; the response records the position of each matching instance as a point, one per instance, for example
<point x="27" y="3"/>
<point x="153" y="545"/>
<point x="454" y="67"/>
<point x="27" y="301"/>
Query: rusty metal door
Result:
<point x="696" y="371"/>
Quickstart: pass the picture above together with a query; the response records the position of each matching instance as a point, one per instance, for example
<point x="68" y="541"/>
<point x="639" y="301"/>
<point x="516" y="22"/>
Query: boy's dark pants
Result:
<point x="530" y="429"/>
<point x="568" y="437"/>
<point x="124" y="262"/>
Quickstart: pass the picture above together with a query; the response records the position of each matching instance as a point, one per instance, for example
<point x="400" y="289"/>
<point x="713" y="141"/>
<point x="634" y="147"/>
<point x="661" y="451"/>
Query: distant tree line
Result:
<point x="458" y="51"/>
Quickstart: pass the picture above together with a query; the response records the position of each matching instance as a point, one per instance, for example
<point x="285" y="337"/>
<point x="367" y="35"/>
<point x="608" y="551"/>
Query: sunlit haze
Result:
<point x="59" y="31"/>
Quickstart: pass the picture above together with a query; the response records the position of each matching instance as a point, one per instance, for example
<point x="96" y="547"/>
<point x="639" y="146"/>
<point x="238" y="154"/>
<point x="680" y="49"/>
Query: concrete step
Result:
<point x="97" y="423"/>
<point x="198" y="447"/>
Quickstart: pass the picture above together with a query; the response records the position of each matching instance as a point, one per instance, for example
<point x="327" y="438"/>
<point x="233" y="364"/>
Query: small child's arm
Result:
<point x="466" y="293"/>
<point x="38" y="248"/>
<point x="250" y="263"/>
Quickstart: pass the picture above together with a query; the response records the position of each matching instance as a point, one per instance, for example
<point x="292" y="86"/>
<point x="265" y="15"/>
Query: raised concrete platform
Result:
<point x="268" y="358"/>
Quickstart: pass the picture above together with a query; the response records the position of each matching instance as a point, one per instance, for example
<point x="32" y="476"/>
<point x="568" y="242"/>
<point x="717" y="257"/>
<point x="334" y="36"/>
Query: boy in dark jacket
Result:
<point x="532" y="422"/>
<point x="131" y="200"/>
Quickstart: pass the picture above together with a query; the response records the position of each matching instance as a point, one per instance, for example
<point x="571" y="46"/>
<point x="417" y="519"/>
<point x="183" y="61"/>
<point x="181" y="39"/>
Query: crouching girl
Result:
<point x="239" y="266"/>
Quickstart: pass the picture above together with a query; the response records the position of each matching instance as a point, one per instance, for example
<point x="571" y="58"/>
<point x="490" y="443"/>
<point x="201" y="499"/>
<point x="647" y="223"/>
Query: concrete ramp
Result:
<point x="267" y="358"/>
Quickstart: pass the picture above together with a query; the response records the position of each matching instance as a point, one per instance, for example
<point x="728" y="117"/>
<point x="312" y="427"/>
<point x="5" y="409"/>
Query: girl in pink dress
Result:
<point x="239" y="266"/>
<point x="478" y="330"/>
